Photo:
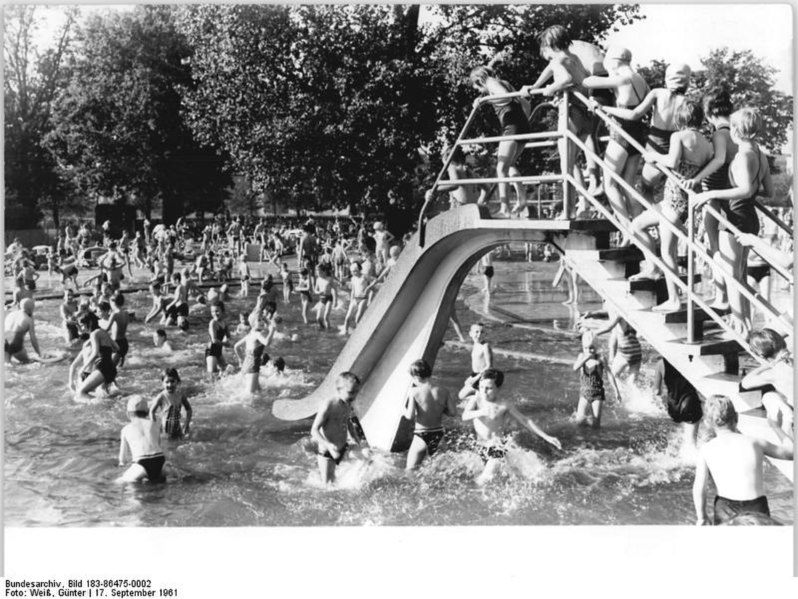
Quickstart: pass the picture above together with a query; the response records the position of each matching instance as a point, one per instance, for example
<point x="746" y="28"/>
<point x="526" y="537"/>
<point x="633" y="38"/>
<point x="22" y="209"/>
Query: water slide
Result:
<point x="410" y="313"/>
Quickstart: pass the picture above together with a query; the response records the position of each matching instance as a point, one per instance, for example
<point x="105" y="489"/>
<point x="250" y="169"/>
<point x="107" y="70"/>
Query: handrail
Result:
<point x="516" y="137"/>
<point x="701" y="250"/>
<point x="767" y="212"/>
<point x="477" y="104"/>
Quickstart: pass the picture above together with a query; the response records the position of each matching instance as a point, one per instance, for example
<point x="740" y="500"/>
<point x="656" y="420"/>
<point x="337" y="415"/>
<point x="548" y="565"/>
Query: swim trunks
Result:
<point x="512" y="118"/>
<point x="104" y="364"/>
<point x="758" y="271"/>
<point x="13" y="348"/>
<point x="726" y="509"/>
<point x="175" y="311"/>
<point x="491" y="452"/>
<point x="636" y="129"/>
<point x="306" y="295"/>
<point x="591" y="385"/>
<point x="432" y="438"/>
<point x="659" y="139"/>
<point x="326" y="299"/>
<point x="153" y="465"/>
<point x="342" y="451"/>
<point x="741" y="212"/>
<point x="489" y="271"/>
<point x="72" y="330"/>
<point x="580" y="121"/>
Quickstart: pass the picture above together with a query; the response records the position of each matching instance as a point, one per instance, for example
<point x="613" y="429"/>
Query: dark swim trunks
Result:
<point x="124" y="347"/>
<point x="492" y="452"/>
<point x="13" y="348"/>
<point x="326" y="299"/>
<point x="153" y="465"/>
<point x="305" y="295"/>
<point x="637" y="130"/>
<point x="175" y="311"/>
<point x="432" y="439"/>
<point x="72" y="330"/>
<point x="489" y="271"/>
<point x="726" y="509"/>
<point x="326" y="454"/>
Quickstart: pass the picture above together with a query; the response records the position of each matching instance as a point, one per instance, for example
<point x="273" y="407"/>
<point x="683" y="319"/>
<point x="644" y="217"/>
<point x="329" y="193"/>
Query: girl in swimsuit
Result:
<point x="662" y="102"/>
<point x="96" y="355"/>
<point x="715" y="175"/>
<point x="514" y="121"/>
<point x="748" y="172"/>
<point x="217" y="331"/>
<point x="173" y="401"/>
<point x="590" y="365"/>
<point x="689" y="152"/>
<point x="621" y="158"/>
<point x="254" y="344"/>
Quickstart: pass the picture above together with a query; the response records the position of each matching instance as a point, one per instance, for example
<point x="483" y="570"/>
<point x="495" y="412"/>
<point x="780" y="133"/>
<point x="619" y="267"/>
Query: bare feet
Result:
<point x="648" y="273"/>
<point x="668" y="306"/>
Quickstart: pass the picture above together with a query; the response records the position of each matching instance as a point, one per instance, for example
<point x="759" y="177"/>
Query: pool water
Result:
<point x="243" y="467"/>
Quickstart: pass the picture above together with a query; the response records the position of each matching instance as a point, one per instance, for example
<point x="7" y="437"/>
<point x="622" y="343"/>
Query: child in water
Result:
<point x="591" y="366"/>
<point x="141" y="440"/>
<point x="172" y="400"/>
<point x="333" y="421"/>
<point x="490" y="416"/>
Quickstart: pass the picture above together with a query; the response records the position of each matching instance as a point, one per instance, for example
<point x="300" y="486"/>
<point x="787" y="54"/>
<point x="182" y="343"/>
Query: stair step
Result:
<point x="627" y="254"/>
<point x="711" y="347"/>
<point x="680" y="316"/>
<point x="655" y="285"/>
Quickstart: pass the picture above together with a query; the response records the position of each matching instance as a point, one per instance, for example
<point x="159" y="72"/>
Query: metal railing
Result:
<point x="694" y="247"/>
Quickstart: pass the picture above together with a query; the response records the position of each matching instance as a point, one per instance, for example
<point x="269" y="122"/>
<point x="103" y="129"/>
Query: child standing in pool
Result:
<point x="303" y="287"/>
<point x="288" y="283"/>
<point x="481" y="354"/>
<point x="141" y="440"/>
<point x="219" y="338"/>
<point x="490" y="416"/>
<point x="333" y="424"/>
<point x="328" y="295"/>
<point x="425" y="405"/>
<point x="591" y="366"/>
<point x="173" y="401"/>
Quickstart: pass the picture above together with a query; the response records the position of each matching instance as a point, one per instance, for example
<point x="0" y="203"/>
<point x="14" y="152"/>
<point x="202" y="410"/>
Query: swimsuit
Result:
<point x="591" y="385"/>
<point x="580" y="119"/>
<point x="305" y="294"/>
<point x="14" y="347"/>
<point x="629" y="348"/>
<point x="637" y="130"/>
<point x="726" y="509"/>
<point x="179" y="310"/>
<point x="683" y="402"/>
<point x="659" y="139"/>
<point x="674" y="196"/>
<point x="326" y="299"/>
<point x="512" y="118"/>
<point x="214" y="350"/>
<point x="489" y="271"/>
<point x="342" y="451"/>
<point x="153" y="465"/>
<point x="253" y="360"/>
<point x="124" y="346"/>
<point x="431" y="437"/>
<point x="102" y="364"/>
<point x="742" y="213"/>
<point x="720" y="178"/>
<point x="171" y="424"/>
<point x="73" y="331"/>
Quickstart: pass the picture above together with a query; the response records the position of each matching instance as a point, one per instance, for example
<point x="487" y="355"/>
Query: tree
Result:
<point x="118" y="131"/>
<point x="750" y="82"/>
<point x="31" y="79"/>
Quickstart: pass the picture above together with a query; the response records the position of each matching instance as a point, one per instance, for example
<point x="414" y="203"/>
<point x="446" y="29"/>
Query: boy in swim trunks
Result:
<point x="481" y="356"/>
<point x="332" y="423"/>
<point x="141" y="440"/>
<point x="19" y="323"/>
<point x="425" y="405"/>
<point x="328" y="295"/>
<point x="358" y="296"/>
<point x="734" y="463"/>
<point x="490" y="416"/>
<point x="172" y="400"/>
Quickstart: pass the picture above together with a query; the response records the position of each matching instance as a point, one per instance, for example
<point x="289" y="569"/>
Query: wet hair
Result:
<point x="492" y="374"/>
<point x="170" y="373"/>
<point x="746" y="123"/>
<point x="458" y="157"/>
<point x="104" y="306"/>
<point x="182" y="323"/>
<point x="719" y="412"/>
<point x="479" y="75"/>
<point x="279" y="364"/>
<point x="767" y="343"/>
<point x="161" y="333"/>
<point x="555" y="37"/>
<point x="89" y="320"/>
<point x="347" y="376"/>
<point x="219" y="304"/>
<point x="688" y="114"/>
<point x="716" y="102"/>
<point x="118" y="299"/>
<point x="420" y="369"/>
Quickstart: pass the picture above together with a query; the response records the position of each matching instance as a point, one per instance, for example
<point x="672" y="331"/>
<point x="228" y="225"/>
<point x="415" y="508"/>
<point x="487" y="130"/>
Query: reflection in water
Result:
<point x="242" y="467"/>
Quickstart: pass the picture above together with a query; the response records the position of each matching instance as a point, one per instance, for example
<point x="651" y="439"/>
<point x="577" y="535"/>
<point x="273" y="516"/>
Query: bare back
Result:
<point x="431" y="403"/>
<point x="735" y="463"/>
<point x="667" y="104"/>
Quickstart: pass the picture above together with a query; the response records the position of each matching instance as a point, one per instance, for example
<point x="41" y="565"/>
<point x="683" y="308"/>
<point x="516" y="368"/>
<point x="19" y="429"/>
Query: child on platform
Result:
<point x="425" y="405"/>
<point x="776" y="376"/>
<point x="334" y="424"/>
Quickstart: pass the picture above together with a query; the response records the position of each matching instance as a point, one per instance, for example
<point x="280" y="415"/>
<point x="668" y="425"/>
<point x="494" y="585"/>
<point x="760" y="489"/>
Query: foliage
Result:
<point x="117" y="128"/>
<point x="31" y="80"/>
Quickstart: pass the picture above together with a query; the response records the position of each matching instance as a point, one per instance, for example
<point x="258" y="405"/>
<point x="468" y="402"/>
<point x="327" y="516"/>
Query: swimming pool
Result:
<point x="243" y="467"/>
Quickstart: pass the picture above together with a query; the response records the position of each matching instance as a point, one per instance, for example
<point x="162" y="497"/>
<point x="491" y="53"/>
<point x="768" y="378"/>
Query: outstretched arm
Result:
<point x="531" y="426"/>
<point x="700" y="490"/>
<point x="780" y="452"/>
